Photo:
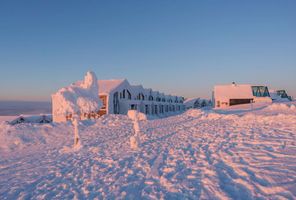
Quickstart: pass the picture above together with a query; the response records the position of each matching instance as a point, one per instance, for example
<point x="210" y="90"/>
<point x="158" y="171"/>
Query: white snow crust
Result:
<point x="239" y="153"/>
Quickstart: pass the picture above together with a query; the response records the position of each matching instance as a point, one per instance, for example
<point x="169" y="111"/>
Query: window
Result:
<point x="218" y="104"/>
<point x="134" y="107"/>
<point x="260" y="91"/>
<point x="104" y="101"/>
<point x="282" y="94"/>
<point x="239" y="101"/>
<point x="150" y="98"/>
<point x="126" y="93"/>
<point x="147" y="109"/>
<point x="140" y="96"/>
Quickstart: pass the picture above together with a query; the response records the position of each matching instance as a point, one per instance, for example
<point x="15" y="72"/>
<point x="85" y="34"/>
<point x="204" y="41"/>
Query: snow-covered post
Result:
<point x="75" y="123"/>
<point x="135" y="139"/>
<point x="79" y="98"/>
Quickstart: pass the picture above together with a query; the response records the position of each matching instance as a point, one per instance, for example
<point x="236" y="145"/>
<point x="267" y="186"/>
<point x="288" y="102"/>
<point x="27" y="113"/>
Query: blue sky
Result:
<point x="178" y="47"/>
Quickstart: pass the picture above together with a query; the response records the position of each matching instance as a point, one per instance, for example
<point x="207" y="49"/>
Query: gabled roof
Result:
<point x="190" y="101"/>
<point x="236" y="91"/>
<point x="107" y="86"/>
<point x="137" y="88"/>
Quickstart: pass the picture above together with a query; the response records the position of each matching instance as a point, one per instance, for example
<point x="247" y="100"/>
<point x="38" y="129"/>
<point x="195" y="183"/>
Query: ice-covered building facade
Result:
<point x="113" y="97"/>
<point x="234" y="94"/>
<point x="118" y="96"/>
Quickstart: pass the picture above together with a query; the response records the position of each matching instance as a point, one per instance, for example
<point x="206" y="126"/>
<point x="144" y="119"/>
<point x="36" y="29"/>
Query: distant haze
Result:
<point x="13" y="108"/>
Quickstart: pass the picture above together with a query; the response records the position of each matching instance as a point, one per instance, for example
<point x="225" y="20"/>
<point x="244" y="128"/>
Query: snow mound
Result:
<point x="194" y="112"/>
<point x="134" y="114"/>
<point x="80" y="97"/>
<point x="281" y="107"/>
<point x="194" y="155"/>
<point x="20" y="136"/>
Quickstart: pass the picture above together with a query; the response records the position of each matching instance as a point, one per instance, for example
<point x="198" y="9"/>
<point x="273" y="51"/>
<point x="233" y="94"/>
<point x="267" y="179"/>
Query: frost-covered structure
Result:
<point x="113" y="97"/>
<point x="280" y="96"/>
<point x="80" y="98"/>
<point x="118" y="97"/>
<point x="234" y="94"/>
<point x="197" y="103"/>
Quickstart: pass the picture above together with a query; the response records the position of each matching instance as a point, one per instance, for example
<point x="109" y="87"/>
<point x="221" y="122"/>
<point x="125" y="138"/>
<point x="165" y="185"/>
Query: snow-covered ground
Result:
<point x="200" y="154"/>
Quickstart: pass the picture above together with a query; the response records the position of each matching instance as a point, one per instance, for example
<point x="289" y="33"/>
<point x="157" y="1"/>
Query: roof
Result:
<point x="190" y="101"/>
<point x="106" y="86"/>
<point x="233" y="91"/>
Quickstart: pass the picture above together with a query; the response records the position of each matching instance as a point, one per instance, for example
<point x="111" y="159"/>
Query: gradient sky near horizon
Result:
<point x="177" y="47"/>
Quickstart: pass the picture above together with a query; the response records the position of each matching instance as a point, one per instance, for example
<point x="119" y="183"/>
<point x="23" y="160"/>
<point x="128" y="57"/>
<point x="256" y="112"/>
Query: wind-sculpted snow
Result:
<point x="199" y="154"/>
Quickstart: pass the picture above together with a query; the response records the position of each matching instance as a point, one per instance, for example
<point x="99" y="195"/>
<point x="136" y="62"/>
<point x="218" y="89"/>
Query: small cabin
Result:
<point x="235" y="94"/>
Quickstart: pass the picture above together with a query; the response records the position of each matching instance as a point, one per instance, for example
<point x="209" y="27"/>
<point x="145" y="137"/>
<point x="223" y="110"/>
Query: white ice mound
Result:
<point x="80" y="97"/>
<point x="281" y="107"/>
<point x="194" y="112"/>
<point x="133" y="114"/>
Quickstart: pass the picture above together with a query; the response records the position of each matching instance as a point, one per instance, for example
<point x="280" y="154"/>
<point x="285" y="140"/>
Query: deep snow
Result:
<point x="200" y="154"/>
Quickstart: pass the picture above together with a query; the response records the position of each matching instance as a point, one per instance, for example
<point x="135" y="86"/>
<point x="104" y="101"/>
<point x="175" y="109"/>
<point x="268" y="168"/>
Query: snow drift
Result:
<point x="199" y="154"/>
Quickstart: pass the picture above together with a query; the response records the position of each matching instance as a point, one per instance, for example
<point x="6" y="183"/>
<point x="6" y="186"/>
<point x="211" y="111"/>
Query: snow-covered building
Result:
<point x="118" y="96"/>
<point x="280" y="96"/>
<point x="197" y="103"/>
<point x="234" y="94"/>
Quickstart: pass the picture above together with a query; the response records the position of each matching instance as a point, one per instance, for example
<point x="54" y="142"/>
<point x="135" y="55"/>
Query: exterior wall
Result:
<point x="224" y="102"/>
<point x="153" y="107"/>
<point x="262" y="99"/>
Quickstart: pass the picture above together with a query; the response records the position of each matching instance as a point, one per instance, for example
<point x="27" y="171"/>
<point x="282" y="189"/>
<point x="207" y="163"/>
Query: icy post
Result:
<point x="80" y="97"/>
<point x="135" y="139"/>
<point x="75" y="123"/>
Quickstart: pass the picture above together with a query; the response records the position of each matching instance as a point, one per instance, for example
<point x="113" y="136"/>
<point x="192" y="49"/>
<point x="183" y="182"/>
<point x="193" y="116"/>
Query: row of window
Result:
<point x="125" y="94"/>
<point x="260" y="91"/>
<point x="157" y="109"/>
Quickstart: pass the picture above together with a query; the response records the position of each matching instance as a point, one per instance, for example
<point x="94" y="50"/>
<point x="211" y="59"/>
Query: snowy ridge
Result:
<point x="200" y="154"/>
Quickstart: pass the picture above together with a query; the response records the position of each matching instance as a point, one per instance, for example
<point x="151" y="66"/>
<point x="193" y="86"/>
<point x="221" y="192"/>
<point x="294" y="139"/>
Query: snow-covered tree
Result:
<point x="79" y="98"/>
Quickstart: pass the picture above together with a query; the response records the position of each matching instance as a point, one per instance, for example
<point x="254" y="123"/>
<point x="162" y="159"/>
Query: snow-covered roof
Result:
<point x="233" y="91"/>
<point x="107" y="86"/>
<point x="190" y="101"/>
<point x="137" y="89"/>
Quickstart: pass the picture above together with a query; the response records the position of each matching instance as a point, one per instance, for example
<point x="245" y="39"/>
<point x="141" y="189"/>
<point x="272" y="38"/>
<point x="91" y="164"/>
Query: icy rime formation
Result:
<point x="195" y="155"/>
<point x="78" y="98"/>
<point x="135" y="116"/>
